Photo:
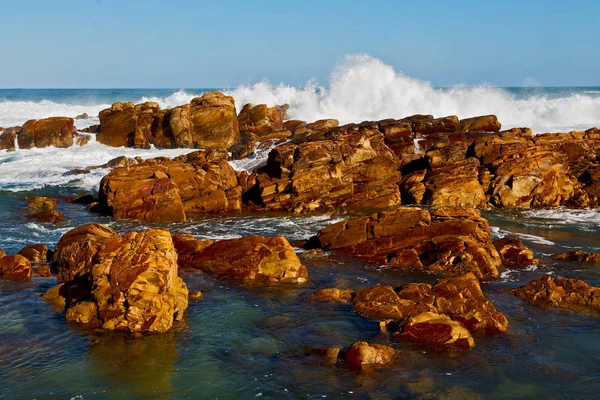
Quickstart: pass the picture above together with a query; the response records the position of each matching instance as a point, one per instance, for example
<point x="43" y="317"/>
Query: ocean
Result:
<point x="241" y="342"/>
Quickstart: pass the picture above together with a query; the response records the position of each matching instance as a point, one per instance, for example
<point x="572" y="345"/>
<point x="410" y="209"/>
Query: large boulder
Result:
<point x="513" y="252"/>
<point x="8" y="138"/>
<point x="259" y="120"/>
<point x="252" y="258"/>
<point x="365" y="356"/>
<point x="572" y="294"/>
<point x="452" y="241"/>
<point x="162" y="190"/>
<point x="213" y="121"/>
<point x="54" y="131"/>
<point x="75" y="252"/>
<point x="127" y="125"/>
<point x="131" y="281"/>
<point x="15" y="267"/>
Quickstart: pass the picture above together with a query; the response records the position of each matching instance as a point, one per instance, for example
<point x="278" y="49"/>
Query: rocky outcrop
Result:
<point x="355" y="170"/>
<point x="162" y="190"/>
<point x="252" y="259"/>
<point x="209" y="121"/>
<point x="15" y="268"/>
<point x="186" y="247"/>
<point x="578" y="256"/>
<point x="127" y="283"/>
<point x="447" y="240"/>
<point x="259" y="120"/>
<point x="364" y="356"/>
<point x="572" y="294"/>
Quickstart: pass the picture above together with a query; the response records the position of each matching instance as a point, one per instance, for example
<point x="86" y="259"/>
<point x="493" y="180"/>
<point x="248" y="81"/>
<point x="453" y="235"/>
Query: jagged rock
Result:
<point x="186" y="247"/>
<point x="8" y="138"/>
<point x="43" y="209"/>
<point x="259" y="120"/>
<point x="382" y="303"/>
<point x="15" y="267"/>
<point x="437" y="331"/>
<point x="485" y="123"/>
<point x="364" y="356"/>
<point x="159" y="190"/>
<point x="578" y="256"/>
<point x="252" y="258"/>
<point x="75" y="252"/>
<point x="53" y="131"/>
<point x="513" y="252"/>
<point x="82" y="140"/>
<point x="334" y="295"/>
<point x="43" y="271"/>
<point x="126" y="124"/>
<point x="36" y="253"/>
<point x="323" y="124"/>
<point x="132" y="280"/>
<point x="446" y="240"/>
<point x="245" y="147"/>
<point x="572" y="294"/>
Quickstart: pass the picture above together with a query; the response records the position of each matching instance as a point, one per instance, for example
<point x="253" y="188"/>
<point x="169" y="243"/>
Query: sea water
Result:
<point x="244" y="342"/>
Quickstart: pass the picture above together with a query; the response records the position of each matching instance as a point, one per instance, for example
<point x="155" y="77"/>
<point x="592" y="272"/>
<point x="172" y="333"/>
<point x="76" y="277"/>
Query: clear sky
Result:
<point x="195" y="43"/>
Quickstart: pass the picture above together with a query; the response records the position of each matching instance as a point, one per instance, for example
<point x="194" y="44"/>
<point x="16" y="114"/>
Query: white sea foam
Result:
<point x="498" y="233"/>
<point x="586" y="218"/>
<point x="36" y="168"/>
<point x="14" y="113"/>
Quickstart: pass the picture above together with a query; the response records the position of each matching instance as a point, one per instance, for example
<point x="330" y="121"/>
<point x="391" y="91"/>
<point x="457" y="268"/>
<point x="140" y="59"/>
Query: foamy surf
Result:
<point x="362" y="88"/>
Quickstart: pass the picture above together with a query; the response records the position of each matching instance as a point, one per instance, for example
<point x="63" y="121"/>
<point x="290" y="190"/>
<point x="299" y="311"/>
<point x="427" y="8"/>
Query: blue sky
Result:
<point x="151" y="43"/>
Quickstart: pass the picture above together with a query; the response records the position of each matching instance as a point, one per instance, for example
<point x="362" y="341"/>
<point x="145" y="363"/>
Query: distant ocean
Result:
<point x="361" y="88"/>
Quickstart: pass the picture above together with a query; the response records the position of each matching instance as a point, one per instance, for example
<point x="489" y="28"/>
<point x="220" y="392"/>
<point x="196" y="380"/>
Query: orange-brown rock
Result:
<point x="8" y="138"/>
<point x="44" y="209"/>
<point x="54" y="131"/>
<point x="15" y="267"/>
<point x="485" y="123"/>
<point x="26" y="135"/>
<point x="356" y="170"/>
<point x="381" y="303"/>
<point x="365" y="356"/>
<point x="36" y="253"/>
<point x="127" y="125"/>
<point x="213" y="121"/>
<point x="186" y="247"/>
<point x="436" y="331"/>
<point x="438" y="125"/>
<point x="43" y="270"/>
<point x="334" y="295"/>
<point x="252" y="258"/>
<point x="2" y="253"/>
<point x="578" y="256"/>
<point x="82" y="140"/>
<point x="75" y="252"/>
<point x="162" y="190"/>
<point x="572" y="294"/>
<point x="259" y="120"/>
<point x="323" y="124"/>
<point x="461" y="298"/>
<point x="446" y="240"/>
<point x="513" y="252"/>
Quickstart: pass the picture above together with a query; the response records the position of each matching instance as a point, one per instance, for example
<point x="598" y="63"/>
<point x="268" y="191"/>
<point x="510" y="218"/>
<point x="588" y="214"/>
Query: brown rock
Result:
<point x="8" y="138"/>
<point x="82" y="140"/>
<point x="36" y="253"/>
<point x="57" y="295"/>
<point x="76" y="251"/>
<point x="436" y="331"/>
<point x="40" y="203"/>
<point x="82" y="116"/>
<point x="15" y="268"/>
<point x="323" y="124"/>
<point x="382" y="303"/>
<point x="565" y="293"/>
<point x="449" y="240"/>
<point x="213" y="121"/>
<point x="195" y="295"/>
<point x="486" y="123"/>
<point x="439" y="125"/>
<point x="134" y="284"/>
<point x="334" y="295"/>
<point x="118" y="125"/>
<point x="252" y="258"/>
<point x="2" y="253"/>
<point x="54" y="131"/>
<point x="26" y="135"/>
<point x="44" y="210"/>
<point x="162" y="190"/>
<point x="578" y="256"/>
<point x="513" y="252"/>
<point x="364" y="356"/>
<point x="461" y="298"/>
<point x="186" y="247"/>
<point x="259" y="120"/>
<point x="42" y="271"/>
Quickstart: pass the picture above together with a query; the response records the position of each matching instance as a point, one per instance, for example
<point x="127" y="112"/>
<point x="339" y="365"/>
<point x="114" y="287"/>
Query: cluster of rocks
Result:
<point x="53" y="131"/>
<point x="43" y="209"/>
<point x="20" y="266"/>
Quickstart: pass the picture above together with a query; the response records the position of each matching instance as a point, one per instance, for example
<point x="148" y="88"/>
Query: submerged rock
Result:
<point x="436" y="331"/>
<point x="334" y="295"/>
<point x="578" y="256"/>
<point x="364" y="356"/>
<point x="252" y="258"/>
<point x="452" y="241"/>
<point x="36" y="253"/>
<point x="43" y="209"/>
<point x="572" y="294"/>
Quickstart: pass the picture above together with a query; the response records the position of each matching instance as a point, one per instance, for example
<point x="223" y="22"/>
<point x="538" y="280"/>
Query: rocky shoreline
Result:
<point x="412" y="188"/>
